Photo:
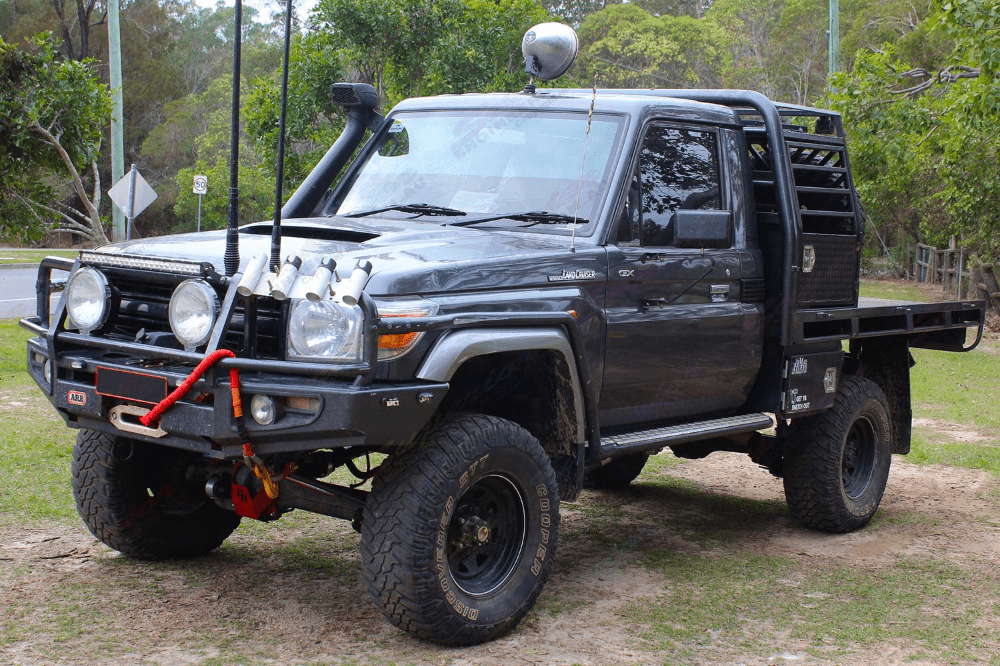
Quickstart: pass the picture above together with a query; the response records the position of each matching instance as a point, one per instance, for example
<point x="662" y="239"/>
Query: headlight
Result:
<point x="194" y="307"/>
<point x="87" y="299"/>
<point x="325" y="331"/>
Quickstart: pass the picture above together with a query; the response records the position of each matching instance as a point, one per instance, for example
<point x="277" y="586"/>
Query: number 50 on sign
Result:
<point x="200" y="184"/>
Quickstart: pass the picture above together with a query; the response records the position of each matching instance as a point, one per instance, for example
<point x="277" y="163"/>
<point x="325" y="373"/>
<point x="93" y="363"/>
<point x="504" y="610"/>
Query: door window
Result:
<point x="678" y="169"/>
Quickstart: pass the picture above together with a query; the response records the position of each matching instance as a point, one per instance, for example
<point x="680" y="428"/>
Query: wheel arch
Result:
<point x="527" y="375"/>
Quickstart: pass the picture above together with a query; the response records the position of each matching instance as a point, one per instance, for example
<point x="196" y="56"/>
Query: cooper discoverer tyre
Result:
<point x="135" y="498"/>
<point x="838" y="465"/>
<point x="458" y="536"/>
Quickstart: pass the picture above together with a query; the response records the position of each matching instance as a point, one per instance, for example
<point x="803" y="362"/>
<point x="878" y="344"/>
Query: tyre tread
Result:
<point x="811" y="469"/>
<point x="396" y="576"/>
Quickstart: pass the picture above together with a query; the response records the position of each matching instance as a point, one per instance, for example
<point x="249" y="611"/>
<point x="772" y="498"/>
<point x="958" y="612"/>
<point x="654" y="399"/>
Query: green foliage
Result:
<point x="924" y="146"/>
<point x="211" y="148"/>
<point x="777" y="47"/>
<point x="633" y="49"/>
<point x="50" y="104"/>
<point x="313" y="123"/>
<point x="416" y="47"/>
<point x="480" y="51"/>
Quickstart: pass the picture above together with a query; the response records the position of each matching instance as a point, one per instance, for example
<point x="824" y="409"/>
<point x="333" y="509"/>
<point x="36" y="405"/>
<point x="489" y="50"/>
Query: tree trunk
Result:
<point x="984" y="277"/>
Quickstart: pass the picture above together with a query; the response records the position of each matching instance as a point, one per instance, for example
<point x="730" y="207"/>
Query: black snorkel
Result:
<point x="361" y="101"/>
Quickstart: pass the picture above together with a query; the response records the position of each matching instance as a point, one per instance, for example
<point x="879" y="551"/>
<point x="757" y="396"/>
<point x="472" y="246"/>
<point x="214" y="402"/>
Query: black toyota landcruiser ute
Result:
<point x="502" y="298"/>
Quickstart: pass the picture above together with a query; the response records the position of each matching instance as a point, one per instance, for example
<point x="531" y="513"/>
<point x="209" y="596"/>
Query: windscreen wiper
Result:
<point x="534" y="217"/>
<point x="415" y="208"/>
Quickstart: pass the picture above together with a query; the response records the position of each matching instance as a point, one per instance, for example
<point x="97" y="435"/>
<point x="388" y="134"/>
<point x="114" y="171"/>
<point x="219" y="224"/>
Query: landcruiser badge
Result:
<point x="569" y="276"/>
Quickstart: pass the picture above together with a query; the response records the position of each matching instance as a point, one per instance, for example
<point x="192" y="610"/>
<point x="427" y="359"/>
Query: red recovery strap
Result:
<point x="249" y="457"/>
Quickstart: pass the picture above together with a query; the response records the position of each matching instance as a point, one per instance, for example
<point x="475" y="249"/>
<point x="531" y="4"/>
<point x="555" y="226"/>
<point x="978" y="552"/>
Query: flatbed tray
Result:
<point x="930" y="325"/>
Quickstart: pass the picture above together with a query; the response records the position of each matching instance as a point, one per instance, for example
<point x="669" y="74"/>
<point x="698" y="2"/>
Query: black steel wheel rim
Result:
<point x="486" y="535"/>
<point x="859" y="458"/>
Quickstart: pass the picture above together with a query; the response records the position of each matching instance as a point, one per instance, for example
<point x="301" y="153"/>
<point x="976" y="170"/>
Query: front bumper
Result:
<point x="325" y="412"/>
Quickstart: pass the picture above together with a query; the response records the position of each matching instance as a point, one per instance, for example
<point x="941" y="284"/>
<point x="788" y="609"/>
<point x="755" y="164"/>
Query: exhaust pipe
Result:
<point x="360" y="100"/>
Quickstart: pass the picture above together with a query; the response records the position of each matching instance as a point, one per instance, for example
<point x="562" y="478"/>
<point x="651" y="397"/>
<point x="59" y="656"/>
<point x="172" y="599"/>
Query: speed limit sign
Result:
<point x="200" y="184"/>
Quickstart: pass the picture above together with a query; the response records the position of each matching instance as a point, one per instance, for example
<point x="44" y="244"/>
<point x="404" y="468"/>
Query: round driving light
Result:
<point x="87" y="299"/>
<point x="47" y="370"/>
<point x="262" y="409"/>
<point x="194" y="307"/>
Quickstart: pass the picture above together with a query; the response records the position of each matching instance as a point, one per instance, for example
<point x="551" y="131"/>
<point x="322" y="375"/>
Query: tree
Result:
<point x="776" y="47"/>
<point x="51" y="121"/>
<point x="924" y="144"/>
<point x="414" y="47"/>
<point x="75" y="25"/>
<point x="634" y="49"/>
<point x="480" y="51"/>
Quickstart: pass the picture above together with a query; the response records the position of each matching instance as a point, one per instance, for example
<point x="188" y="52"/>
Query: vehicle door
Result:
<point x="674" y="314"/>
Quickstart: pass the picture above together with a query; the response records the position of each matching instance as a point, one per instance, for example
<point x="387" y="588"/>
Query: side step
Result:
<point x="644" y="440"/>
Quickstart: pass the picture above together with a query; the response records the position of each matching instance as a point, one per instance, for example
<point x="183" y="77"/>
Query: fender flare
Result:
<point x="454" y="349"/>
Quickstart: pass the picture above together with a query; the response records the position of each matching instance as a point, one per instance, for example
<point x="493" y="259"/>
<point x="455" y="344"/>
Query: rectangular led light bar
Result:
<point x="143" y="263"/>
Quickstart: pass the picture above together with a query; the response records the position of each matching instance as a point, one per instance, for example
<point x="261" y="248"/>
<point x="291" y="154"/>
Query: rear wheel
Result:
<point x="619" y="472"/>
<point x="138" y="498"/>
<point x="458" y="536"/>
<point x="836" y="471"/>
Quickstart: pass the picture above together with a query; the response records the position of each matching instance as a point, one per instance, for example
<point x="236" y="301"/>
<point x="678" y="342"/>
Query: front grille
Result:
<point x="140" y="313"/>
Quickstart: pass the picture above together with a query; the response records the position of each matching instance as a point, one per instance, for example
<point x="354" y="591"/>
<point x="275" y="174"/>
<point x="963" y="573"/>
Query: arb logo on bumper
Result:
<point x="77" y="398"/>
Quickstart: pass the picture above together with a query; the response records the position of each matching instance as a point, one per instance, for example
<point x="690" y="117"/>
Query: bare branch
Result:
<point x="946" y="76"/>
<point x="97" y="231"/>
<point x="73" y="224"/>
<point x="81" y="218"/>
<point x="96" y="174"/>
<point x="933" y="129"/>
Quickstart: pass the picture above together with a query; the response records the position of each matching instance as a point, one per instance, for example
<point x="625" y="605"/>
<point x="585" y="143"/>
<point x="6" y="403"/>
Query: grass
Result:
<point x="960" y="388"/>
<point x="13" y="256"/>
<point x="753" y="604"/>
<point x="35" y="444"/>
<point x="892" y="290"/>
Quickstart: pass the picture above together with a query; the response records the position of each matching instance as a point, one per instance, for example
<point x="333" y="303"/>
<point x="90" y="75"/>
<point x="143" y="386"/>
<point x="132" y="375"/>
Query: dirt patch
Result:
<point x="952" y="431"/>
<point x="290" y="593"/>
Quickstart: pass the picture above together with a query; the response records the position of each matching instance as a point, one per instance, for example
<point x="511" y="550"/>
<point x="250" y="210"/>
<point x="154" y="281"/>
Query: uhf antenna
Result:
<point x="232" y="256"/>
<point x="276" y="228"/>
<point x="583" y="162"/>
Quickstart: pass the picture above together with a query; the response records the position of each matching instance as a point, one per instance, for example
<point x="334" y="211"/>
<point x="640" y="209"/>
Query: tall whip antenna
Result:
<point x="583" y="162"/>
<point x="232" y="256"/>
<point x="276" y="229"/>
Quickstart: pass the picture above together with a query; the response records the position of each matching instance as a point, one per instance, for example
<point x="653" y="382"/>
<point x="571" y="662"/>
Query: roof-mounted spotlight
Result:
<point x="549" y="50"/>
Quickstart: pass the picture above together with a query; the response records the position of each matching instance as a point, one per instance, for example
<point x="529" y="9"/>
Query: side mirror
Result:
<point x="703" y="228"/>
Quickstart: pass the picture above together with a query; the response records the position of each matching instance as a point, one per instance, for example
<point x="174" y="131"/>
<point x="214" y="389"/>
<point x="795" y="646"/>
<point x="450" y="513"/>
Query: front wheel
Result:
<point x="138" y="498"/>
<point x="458" y="536"/>
<point x="838" y="465"/>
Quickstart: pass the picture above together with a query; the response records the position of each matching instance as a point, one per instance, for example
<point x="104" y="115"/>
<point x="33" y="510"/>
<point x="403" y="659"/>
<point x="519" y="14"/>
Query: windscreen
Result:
<point x="486" y="165"/>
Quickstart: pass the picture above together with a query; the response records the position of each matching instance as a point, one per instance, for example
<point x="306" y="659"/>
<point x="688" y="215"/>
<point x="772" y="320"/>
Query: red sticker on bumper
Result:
<point x="78" y="398"/>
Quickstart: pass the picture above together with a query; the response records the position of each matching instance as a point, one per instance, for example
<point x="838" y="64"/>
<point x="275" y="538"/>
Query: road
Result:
<point x="17" y="292"/>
